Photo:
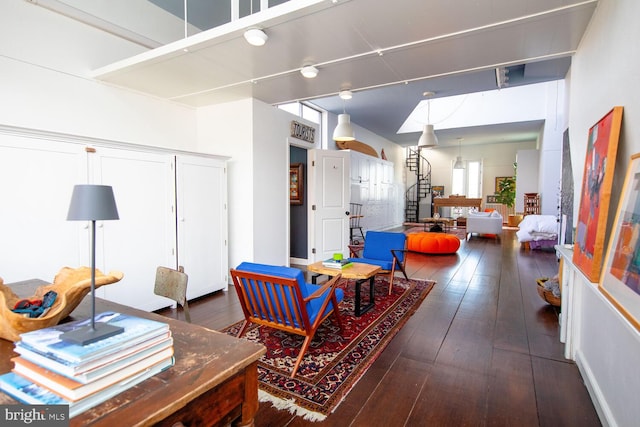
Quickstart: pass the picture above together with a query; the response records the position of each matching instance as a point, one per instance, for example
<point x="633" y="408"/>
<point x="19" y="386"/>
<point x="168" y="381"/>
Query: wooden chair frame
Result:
<point x="277" y="302"/>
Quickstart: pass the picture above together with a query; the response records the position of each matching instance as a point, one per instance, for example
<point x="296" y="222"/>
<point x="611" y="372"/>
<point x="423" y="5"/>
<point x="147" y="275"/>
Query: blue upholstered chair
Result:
<point x="386" y="249"/>
<point x="280" y="298"/>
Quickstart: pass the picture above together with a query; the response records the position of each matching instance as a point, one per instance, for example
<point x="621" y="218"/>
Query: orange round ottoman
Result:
<point x="433" y="243"/>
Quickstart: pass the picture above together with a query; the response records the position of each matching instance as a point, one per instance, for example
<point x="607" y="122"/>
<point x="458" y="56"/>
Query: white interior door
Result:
<point x="329" y="203"/>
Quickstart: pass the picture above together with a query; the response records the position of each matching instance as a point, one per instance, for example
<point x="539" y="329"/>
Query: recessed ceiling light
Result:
<point x="255" y="36"/>
<point x="309" y="71"/>
<point x="346" y="94"/>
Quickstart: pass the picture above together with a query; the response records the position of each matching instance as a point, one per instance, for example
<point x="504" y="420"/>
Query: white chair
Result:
<point x="484" y="223"/>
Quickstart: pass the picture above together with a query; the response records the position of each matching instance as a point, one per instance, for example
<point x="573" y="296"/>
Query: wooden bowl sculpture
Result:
<point x="71" y="285"/>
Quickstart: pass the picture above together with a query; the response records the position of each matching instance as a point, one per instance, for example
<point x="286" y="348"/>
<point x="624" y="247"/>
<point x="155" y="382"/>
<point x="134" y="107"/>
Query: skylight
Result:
<point x="507" y="105"/>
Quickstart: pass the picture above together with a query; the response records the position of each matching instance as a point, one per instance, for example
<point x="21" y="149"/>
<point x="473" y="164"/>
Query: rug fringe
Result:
<point x="290" y="405"/>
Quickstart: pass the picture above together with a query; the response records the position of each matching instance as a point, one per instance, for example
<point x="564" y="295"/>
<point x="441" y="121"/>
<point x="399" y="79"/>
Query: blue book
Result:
<point x="136" y="329"/>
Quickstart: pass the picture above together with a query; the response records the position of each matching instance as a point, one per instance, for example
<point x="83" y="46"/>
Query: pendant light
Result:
<point x="344" y="131"/>
<point x="459" y="164"/>
<point x="428" y="139"/>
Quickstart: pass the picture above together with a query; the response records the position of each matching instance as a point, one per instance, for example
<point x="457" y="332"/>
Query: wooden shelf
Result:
<point x="531" y="204"/>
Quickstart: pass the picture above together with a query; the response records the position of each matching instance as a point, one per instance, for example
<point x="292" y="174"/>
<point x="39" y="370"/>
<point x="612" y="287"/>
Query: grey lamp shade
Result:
<point x="92" y="202"/>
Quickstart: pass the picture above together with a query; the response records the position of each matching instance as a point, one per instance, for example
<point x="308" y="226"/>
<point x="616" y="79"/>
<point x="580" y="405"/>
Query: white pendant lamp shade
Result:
<point x="255" y="37"/>
<point x="428" y="138"/>
<point x="458" y="164"/>
<point x="344" y="131"/>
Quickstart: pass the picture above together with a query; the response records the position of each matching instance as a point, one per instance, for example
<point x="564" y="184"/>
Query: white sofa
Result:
<point x="484" y="223"/>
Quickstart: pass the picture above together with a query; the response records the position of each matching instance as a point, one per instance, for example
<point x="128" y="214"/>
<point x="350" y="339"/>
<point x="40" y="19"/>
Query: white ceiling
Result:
<point x="387" y="53"/>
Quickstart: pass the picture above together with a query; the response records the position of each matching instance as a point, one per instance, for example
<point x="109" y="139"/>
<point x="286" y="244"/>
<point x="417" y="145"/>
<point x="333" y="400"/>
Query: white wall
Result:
<point x="43" y="83"/>
<point x="256" y="137"/>
<point x="604" y="74"/>
<point x="497" y="160"/>
<point x="227" y="130"/>
<point x="271" y="183"/>
<point x="550" y="161"/>
<point x="526" y="175"/>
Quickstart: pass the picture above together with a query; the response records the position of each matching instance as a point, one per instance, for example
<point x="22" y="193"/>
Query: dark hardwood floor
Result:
<point x="482" y="349"/>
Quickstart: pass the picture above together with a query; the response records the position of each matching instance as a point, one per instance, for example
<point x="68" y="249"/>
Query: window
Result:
<point x="468" y="181"/>
<point x="306" y="112"/>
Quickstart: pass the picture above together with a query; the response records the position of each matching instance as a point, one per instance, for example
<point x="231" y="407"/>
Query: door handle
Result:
<point x="347" y="213"/>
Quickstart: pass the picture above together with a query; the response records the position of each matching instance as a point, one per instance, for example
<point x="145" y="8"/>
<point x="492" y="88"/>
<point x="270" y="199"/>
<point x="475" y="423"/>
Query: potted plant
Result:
<point x="507" y="195"/>
<point x="507" y="191"/>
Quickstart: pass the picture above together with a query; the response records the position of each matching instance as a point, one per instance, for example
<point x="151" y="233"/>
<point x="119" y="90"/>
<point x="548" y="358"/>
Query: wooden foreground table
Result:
<point x="213" y="382"/>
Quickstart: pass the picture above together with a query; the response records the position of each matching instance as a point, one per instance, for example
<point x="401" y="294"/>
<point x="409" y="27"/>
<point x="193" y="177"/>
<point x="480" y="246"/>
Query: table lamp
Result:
<point x="92" y="203"/>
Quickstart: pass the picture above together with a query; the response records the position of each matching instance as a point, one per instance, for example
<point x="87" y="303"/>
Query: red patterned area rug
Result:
<point x="335" y="360"/>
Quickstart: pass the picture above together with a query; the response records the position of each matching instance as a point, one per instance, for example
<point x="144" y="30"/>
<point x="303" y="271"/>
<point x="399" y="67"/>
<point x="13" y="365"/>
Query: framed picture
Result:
<point x="620" y="279"/>
<point x="437" y="190"/>
<point x="296" y="181"/>
<point x="499" y="179"/>
<point x="492" y="198"/>
<point x="597" y="180"/>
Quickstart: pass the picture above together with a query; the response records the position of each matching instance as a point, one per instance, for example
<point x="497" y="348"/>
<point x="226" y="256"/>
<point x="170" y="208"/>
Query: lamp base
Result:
<point x="87" y="335"/>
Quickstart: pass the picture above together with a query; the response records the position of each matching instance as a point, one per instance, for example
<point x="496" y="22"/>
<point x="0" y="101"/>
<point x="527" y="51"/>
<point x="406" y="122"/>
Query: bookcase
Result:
<point x="531" y="204"/>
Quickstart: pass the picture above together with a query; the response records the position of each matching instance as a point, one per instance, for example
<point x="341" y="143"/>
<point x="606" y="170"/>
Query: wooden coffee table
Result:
<point x="360" y="272"/>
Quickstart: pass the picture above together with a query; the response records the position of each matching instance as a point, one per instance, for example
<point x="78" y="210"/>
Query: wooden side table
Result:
<point x="358" y="271"/>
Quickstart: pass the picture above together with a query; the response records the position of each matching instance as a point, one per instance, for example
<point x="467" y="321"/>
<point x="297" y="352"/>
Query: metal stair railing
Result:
<point x="417" y="163"/>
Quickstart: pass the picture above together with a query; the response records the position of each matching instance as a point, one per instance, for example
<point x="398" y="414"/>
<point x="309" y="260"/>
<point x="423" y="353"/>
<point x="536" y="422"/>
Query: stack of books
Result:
<point x="333" y="263"/>
<point x="50" y="371"/>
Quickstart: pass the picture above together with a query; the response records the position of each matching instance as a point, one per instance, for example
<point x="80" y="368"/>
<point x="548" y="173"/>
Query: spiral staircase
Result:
<point x="418" y="164"/>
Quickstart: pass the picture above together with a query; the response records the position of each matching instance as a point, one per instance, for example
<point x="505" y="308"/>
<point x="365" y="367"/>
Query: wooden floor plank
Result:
<point x="397" y="390"/>
<point x="561" y="396"/>
<point x="482" y="350"/>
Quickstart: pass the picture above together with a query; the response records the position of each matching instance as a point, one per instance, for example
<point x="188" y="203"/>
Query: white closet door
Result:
<point x="144" y="236"/>
<point x="36" y="181"/>
<point x="202" y="223"/>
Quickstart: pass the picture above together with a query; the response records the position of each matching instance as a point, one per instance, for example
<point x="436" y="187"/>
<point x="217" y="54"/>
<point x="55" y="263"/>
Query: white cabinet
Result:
<point x="172" y="212"/>
<point x="36" y="182"/>
<point x="144" y="237"/>
<point x="202" y="223"/>
<point x="372" y="186"/>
